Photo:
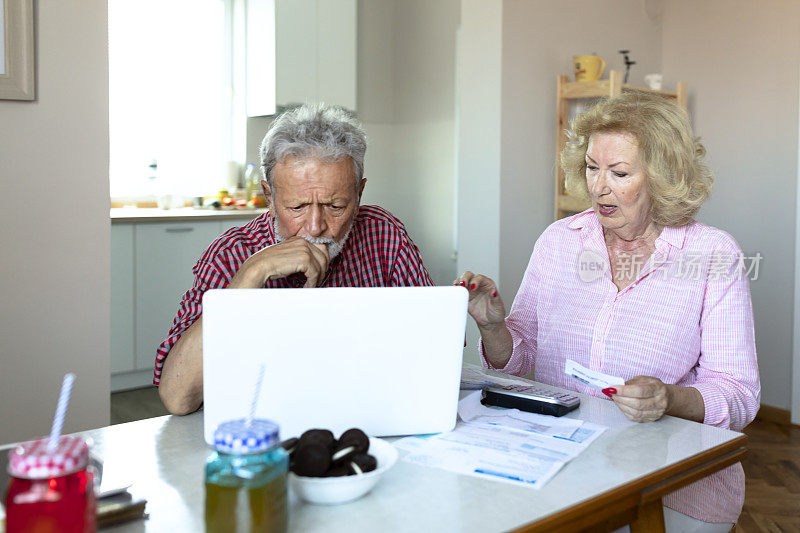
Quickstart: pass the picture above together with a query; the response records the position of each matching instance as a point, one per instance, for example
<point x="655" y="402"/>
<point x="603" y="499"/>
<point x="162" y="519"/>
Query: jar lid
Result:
<point x="32" y="460"/>
<point x="237" y="437"/>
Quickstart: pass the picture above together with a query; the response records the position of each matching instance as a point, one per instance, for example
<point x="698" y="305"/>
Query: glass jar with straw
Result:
<point x="246" y="476"/>
<point x="52" y="485"/>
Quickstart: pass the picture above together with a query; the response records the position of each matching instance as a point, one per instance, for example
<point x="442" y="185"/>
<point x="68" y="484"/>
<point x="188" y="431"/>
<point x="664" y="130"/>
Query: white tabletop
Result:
<point x="164" y="458"/>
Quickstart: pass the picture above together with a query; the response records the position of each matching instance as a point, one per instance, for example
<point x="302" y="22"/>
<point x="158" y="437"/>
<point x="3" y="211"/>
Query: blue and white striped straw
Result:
<point x="61" y="411"/>
<point x="256" y="394"/>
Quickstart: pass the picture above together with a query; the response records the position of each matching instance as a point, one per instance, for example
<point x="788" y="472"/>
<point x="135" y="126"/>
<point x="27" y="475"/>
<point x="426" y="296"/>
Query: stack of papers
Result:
<point x="474" y="378"/>
<point x="472" y="411"/>
<point x="507" y="445"/>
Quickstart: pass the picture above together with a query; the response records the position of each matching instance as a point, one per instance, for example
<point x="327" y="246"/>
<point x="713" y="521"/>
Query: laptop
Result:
<point x="386" y="360"/>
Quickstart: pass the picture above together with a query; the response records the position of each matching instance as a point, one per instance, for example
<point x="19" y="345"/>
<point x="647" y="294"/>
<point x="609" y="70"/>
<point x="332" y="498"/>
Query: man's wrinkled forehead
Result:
<point x="291" y="163"/>
<point x="298" y="157"/>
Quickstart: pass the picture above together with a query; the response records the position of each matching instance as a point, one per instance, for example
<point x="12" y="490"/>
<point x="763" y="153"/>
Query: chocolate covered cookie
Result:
<point x="290" y="445"/>
<point x="319" y="436"/>
<point x="362" y="463"/>
<point x="355" y="437"/>
<point x="351" y="442"/>
<point x="338" y="471"/>
<point x="316" y="453"/>
<point x="311" y="459"/>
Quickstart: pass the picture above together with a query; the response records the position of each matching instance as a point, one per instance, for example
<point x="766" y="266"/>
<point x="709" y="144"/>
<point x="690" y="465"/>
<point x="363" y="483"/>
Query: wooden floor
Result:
<point x="772" y="498"/>
<point x="136" y="404"/>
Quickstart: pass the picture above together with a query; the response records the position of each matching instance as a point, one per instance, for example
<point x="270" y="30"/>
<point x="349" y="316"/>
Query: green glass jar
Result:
<point x="246" y="479"/>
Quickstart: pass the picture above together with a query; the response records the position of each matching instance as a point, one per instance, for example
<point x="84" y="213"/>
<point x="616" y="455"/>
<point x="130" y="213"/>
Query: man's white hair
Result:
<point x="314" y="131"/>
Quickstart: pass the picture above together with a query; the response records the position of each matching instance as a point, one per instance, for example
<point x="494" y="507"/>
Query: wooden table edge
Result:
<point x="622" y="504"/>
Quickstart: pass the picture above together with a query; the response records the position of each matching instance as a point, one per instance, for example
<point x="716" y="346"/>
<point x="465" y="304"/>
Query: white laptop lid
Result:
<point x="387" y="360"/>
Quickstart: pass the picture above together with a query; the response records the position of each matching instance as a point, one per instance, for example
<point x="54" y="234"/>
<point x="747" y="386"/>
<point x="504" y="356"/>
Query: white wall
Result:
<point x="479" y="111"/>
<point x="741" y="60"/>
<point x="410" y="119"/>
<point x="539" y="39"/>
<point x="54" y="228"/>
<point x="796" y="317"/>
<point x="376" y="53"/>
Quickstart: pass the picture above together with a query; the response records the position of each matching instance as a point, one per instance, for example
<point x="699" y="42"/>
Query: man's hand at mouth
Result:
<point x="295" y="255"/>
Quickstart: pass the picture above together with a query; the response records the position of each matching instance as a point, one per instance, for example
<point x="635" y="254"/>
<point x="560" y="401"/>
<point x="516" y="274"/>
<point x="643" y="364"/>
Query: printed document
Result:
<point x="591" y="378"/>
<point x="470" y="409"/>
<point x="488" y="452"/>
<point x="500" y="453"/>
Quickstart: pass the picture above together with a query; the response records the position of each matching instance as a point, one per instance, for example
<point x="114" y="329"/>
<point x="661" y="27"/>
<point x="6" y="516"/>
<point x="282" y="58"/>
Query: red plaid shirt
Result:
<point x="378" y="253"/>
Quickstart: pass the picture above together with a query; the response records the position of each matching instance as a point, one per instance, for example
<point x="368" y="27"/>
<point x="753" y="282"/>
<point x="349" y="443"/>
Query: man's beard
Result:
<point x="334" y="247"/>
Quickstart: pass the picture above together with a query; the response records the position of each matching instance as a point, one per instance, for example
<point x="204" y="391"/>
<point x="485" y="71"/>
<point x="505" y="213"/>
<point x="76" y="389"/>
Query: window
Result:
<point x="171" y="96"/>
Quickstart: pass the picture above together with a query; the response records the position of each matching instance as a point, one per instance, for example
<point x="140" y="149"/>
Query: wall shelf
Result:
<point x="567" y="91"/>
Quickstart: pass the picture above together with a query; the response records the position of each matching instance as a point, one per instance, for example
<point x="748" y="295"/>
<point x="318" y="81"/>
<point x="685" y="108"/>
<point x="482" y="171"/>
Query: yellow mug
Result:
<point x="588" y="68"/>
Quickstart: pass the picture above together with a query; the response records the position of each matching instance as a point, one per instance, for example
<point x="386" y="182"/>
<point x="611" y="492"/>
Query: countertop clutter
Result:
<point x="151" y="214"/>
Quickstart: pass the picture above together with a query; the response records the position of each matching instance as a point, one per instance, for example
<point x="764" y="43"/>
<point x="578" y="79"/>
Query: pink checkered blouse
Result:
<point x="687" y="319"/>
<point x="378" y="253"/>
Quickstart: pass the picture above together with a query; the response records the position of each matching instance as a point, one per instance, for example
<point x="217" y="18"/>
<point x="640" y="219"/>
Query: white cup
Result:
<point x="164" y="201"/>
<point x="654" y="81"/>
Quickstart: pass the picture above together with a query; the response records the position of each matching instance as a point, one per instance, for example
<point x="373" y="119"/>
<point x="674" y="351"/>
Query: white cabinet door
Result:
<point x="315" y="52"/>
<point x="122" y="298"/>
<point x="226" y="224"/>
<point x="165" y="255"/>
<point x="295" y="51"/>
<point x="336" y="52"/>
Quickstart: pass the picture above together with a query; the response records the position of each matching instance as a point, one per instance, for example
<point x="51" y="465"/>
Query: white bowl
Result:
<point x="343" y="489"/>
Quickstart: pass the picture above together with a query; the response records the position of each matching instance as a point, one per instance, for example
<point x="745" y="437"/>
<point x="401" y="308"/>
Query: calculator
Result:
<point x="531" y="399"/>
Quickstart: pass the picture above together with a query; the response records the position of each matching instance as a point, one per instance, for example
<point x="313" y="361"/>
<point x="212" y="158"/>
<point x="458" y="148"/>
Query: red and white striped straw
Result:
<point x="256" y="394"/>
<point x="61" y="412"/>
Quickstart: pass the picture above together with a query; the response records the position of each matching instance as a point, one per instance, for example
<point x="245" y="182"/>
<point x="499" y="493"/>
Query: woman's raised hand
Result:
<point x="485" y="305"/>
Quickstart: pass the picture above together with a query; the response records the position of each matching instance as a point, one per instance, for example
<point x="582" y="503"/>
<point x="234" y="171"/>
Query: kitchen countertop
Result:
<point x="146" y="214"/>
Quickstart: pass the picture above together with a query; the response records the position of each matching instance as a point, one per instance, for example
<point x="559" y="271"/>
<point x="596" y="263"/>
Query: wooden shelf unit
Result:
<point x="566" y="204"/>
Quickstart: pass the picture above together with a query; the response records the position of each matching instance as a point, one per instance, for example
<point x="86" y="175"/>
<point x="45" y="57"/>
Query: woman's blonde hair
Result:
<point x="678" y="181"/>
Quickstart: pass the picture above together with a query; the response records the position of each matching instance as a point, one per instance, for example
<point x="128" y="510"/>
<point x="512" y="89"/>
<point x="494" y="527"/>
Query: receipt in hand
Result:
<point x="591" y="378"/>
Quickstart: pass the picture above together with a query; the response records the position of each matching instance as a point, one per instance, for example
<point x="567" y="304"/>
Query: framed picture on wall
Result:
<point x="16" y="50"/>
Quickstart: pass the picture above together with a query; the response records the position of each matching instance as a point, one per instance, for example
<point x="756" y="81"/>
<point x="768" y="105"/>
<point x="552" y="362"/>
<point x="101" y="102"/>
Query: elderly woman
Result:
<point x="667" y="306"/>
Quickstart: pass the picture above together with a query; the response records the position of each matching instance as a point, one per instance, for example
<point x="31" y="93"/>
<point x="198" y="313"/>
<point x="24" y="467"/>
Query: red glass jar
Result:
<point x="51" y="490"/>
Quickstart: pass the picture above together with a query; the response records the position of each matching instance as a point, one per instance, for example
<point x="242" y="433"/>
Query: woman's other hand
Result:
<point x="642" y="399"/>
<point x="487" y="309"/>
<point x="485" y="305"/>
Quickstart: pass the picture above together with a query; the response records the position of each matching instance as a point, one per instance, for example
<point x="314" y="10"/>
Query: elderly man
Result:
<point x="316" y="234"/>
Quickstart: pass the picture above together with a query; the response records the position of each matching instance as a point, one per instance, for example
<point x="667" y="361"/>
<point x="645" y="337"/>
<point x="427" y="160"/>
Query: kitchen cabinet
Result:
<point x="225" y="225"/>
<point x="151" y="268"/>
<point x="122" y="298"/>
<point x="165" y="255"/>
<point x="315" y="52"/>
